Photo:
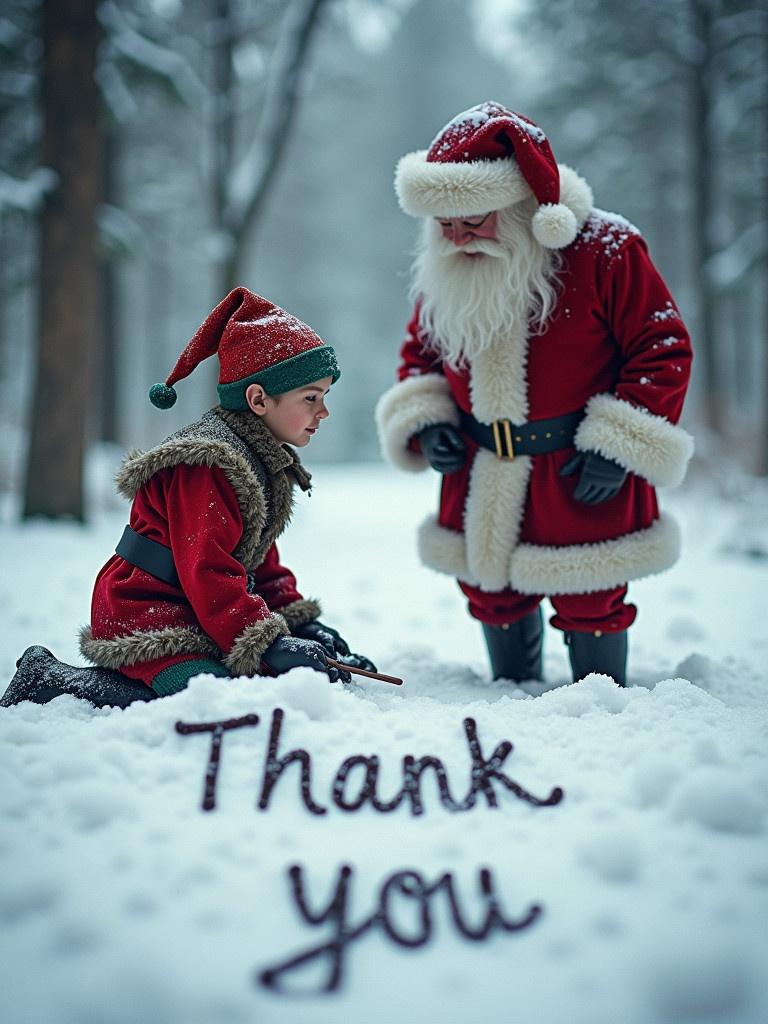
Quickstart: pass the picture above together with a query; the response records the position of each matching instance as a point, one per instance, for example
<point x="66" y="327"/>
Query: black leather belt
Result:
<point x="149" y="555"/>
<point x="538" y="437"/>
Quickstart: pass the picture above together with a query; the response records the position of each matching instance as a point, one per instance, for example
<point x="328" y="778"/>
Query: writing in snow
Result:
<point x="407" y="887"/>
<point x="349" y="792"/>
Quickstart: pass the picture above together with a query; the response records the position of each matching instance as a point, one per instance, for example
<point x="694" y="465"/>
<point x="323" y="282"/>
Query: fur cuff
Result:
<point x="145" y="645"/>
<point x="300" y="612"/>
<point x="245" y="657"/>
<point x="585" y="568"/>
<point x="443" y="550"/>
<point x="408" y="407"/>
<point x="641" y="442"/>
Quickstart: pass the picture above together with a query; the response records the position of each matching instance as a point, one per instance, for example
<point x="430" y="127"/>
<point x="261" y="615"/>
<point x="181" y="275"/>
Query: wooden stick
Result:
<point x="364" y="672"/>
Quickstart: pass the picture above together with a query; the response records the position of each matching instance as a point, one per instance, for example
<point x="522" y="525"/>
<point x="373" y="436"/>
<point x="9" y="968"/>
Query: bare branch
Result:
<point x="251" y="179"/>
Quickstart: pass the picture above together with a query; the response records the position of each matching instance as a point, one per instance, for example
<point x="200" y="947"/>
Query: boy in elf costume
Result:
<point x="196" y="583"/>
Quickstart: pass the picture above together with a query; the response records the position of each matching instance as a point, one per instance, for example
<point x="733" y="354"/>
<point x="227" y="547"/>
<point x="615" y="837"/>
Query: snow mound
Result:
<point x="715" y="799"/>
<point x="700" y="984"/>
<point x="614" y="854"/>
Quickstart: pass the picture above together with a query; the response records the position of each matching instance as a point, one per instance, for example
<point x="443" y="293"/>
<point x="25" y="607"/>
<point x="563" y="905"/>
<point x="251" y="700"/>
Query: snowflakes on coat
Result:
<point x="610" y="230"/>
<point x="665" y="342"/>
<point x="460" y="128"/>
<point x="669" y="312"/>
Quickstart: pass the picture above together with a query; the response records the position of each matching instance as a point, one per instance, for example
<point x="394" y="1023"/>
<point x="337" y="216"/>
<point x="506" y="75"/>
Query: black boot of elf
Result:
<point x="515" y="649"/>
<point x="605" y="653"/>
<point x="40" y="678"/>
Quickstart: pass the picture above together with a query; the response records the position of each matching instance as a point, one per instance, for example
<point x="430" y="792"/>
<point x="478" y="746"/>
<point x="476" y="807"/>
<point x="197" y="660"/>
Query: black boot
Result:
<point x="605" y="653"/>
<point x="40" y="677"/>
<point x="515" y="649"/>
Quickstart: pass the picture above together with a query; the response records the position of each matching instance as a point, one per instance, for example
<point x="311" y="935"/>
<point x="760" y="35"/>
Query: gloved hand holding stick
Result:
<point x="363" y="672"/>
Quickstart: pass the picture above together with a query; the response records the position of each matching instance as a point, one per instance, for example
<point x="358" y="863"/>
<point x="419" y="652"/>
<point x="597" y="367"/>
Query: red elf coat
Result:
<point x="615" y="346"/>
<point x="218" y="493"/>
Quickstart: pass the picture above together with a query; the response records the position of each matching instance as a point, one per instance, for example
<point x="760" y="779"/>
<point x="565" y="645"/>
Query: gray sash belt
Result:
<point x="535" y="438"/>
<point x="149" y="555"/>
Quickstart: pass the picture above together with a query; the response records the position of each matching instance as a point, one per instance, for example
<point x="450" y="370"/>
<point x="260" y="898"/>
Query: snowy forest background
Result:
<point x="154" y="153"/>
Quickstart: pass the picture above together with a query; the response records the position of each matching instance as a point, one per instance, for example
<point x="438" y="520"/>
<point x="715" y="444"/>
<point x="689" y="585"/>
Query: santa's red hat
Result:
<point x="485" y="159"/>
<point x="257" y="343"/>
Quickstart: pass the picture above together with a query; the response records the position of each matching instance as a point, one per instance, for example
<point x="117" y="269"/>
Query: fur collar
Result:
<point x="275" y="456"/>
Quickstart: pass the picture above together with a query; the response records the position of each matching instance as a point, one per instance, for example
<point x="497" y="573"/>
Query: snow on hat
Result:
<point x="485" y="159"/>
<point x="257" y="343"/>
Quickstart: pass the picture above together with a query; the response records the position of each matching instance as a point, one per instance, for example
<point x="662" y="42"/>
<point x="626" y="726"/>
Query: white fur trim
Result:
<point x="554" y="225"/>
<point x="457" y="189"/>
<point x="585" y="568"/>
<point x="408" y="407"/>
<point x="498" y="381"/>
<point x="571" y="569"/>
<point x="575" y="193"/>
<point x="492" y="515"/>
<point x="443" y="550"/>
<point x="467" y="189"/>
<point x="638" y="440"/>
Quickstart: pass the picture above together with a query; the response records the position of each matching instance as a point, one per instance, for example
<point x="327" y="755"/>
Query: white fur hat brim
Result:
<point x="431" y="189"/>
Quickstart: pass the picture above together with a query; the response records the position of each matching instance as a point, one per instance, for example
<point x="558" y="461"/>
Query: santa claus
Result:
<point x="543" y="374"/>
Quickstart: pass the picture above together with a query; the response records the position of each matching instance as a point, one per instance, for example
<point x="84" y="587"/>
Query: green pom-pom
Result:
<point x="162" y="396"/>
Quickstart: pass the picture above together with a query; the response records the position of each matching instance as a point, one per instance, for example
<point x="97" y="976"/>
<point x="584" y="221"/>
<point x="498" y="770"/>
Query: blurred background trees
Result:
<point x="219" y="142"/>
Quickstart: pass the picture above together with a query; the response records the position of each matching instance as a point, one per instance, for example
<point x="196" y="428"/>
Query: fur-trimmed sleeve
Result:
<point x="204" y="528"/>
<point x="636" y="424"/>
<point x="277" y="585"/>
<point x="421" y="398"/>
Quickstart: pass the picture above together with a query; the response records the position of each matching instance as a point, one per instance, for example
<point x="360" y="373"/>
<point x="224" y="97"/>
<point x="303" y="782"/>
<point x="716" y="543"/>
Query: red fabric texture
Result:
<point x="615" y="330"/>
<point x="604" y="610"/>
<point x="491" y="132"/>
<point x="249" y="333"/>
<point x="193" y="510"/>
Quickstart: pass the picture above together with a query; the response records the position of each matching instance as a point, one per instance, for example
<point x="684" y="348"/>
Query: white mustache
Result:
<point x="487" y="246"/>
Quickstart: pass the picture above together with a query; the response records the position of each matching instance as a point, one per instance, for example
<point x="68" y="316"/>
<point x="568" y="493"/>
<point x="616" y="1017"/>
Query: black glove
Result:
<point x="333" y="643"/>
<point x="600" y="480"/>
<point x="329" y="638"/>
<point x="289" y="652"/>
<point x="443" y="447"/>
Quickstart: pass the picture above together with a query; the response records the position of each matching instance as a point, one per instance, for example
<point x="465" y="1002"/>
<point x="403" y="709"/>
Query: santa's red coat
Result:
<point x="616" y="346"/>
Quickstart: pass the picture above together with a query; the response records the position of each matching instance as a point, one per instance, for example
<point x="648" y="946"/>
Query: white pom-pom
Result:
<point x="554" y="225"/>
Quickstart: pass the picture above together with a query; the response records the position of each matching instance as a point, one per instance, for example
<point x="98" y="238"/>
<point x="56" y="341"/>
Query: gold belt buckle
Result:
<point x="502" y="439"/>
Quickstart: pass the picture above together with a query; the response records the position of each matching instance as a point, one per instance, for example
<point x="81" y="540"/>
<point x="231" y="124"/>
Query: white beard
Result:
<point x="467" y="303"/>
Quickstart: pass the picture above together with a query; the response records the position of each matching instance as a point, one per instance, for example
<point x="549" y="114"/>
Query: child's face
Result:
<point x="294" y="416"/>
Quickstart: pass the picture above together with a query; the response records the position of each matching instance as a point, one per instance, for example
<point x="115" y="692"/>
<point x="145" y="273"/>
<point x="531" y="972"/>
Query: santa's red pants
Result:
<point x="604" y="610"/>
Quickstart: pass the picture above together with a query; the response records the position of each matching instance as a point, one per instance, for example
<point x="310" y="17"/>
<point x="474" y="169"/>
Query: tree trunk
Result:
<point x="108" y="311"/>
<point x="72" y="147"/>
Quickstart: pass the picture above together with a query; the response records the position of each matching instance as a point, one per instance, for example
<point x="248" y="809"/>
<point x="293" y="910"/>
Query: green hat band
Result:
<point x="296" y="372"/>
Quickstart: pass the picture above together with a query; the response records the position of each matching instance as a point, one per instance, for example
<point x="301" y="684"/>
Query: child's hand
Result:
<point x="289" y="652"/>
<point x="358" y="661"/>
<point x="332" y="642"/>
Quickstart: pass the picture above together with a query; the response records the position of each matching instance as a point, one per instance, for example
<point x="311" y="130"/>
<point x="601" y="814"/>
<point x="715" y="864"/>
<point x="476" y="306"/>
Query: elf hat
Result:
<point x="257" y="343"/>
<point x="485" y="159"/>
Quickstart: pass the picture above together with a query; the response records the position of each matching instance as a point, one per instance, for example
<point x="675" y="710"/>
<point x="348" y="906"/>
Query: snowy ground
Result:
<point x="121" y="901"/>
